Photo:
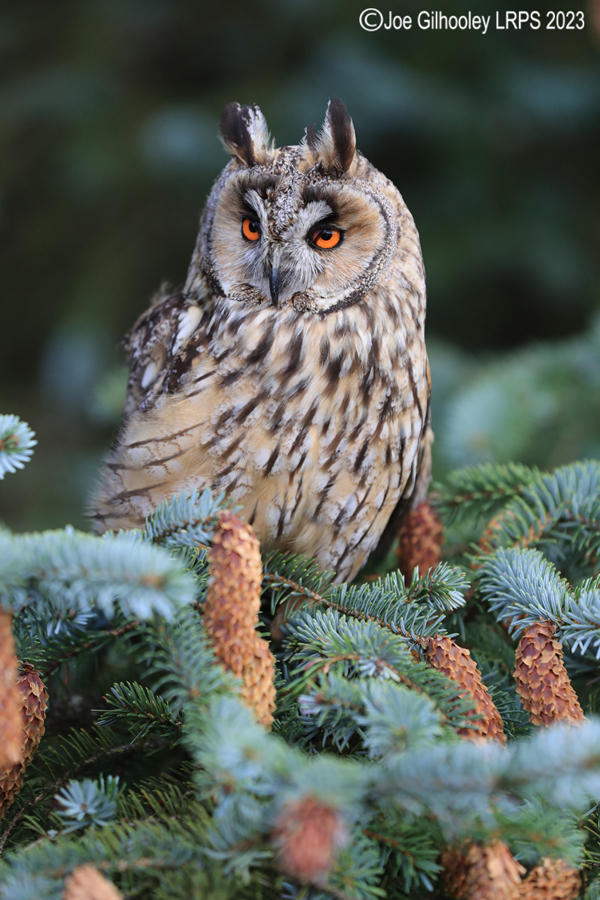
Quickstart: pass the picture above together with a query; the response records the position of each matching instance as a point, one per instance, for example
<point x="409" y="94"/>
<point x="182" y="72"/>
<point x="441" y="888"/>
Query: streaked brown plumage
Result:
<point x="293" y="377"/>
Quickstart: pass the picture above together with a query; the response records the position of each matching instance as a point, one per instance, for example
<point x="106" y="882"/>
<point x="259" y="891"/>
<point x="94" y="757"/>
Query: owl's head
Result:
<point x="313" y="225"/>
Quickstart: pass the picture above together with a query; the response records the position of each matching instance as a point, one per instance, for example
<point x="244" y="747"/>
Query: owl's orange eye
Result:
<point x="326" y="238"/>
<point x="250" y="229"/>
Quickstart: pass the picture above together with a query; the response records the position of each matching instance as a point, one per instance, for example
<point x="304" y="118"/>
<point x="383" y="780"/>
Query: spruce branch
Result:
<point x="397" y="720"/>
<point x="182" y="656"/>
<point x="534" y="830"/>
<point x="409" y="851"/>
<point x="47" y="659"/>
<point x="559" y="763"/>
<point x="159" y="798"/>
<point x="462" y="784"/>
<point x="185" y="521"/>
<point x="385" y="717"/>
<point x="294" y="578"/>
<point x="322" y="642"/>
<point x="17" y="441"/>
<point x="522" y="587"/>
<point x="75" y="570"/>
<point x="480" y="490"/>
<point x="151" y="847"/>
<point x="140" y="708"/>
<point x="559" y="510"/>
<point x="358" y="868"/>
<point x="414" y="612"/>
<point x="330" y="709"/>
<point x="581" y="619"/>
<point x="60" y="762"/>
<point x="88" y="802"/>
<point x="354" y="678"/>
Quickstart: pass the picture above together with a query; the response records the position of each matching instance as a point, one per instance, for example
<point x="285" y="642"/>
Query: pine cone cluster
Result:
<point x="446" y="656"/>
<point x="552" y="879"/>
<point x="542" y="680"/>
<point x="33" y="701"/>
<point x="481" y="872"/>
<point x="420" y="541"/>
<point x="87" y="883"/>
<point x="308" y="834"/>
<point x="231" y="613"/>
<point x="10" y="699"/>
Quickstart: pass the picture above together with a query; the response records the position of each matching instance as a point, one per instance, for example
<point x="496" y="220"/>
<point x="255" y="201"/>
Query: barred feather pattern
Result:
<point x="542" y="680"/>
<point x="481" y="872"/>
<point x="10" y="700"/>
<point x="551" y="879"/>
<point x="445" y="655"/>
<point x="33" y="702"/>
<point x="231" y="613"/>
<point x="87" y="883"/>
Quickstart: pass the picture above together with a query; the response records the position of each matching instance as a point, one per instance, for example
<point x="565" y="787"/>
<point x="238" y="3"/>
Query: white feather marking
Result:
<point x="150" y="375"/>
<point x="188" y="322"/>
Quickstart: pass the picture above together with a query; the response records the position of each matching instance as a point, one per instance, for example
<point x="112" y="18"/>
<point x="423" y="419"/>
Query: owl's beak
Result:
<point x="275" y="272"/>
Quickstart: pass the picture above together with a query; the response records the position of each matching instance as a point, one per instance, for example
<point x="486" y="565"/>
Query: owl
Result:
<point x="291" y="370"/>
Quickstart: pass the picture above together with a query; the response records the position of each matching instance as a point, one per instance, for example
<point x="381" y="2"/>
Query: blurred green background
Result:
<point x="108" y="148"/>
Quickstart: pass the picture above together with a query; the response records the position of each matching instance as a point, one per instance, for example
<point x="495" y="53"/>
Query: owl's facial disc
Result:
<point x="282" y="240"/>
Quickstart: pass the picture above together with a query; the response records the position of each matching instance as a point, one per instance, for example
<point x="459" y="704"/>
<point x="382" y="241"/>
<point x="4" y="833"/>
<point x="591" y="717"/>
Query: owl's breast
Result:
<point x="313" y="428"/>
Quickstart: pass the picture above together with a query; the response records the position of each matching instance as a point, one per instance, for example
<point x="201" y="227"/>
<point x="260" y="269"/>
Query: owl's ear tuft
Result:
<point x="244" y="133"/>
<point x="335" y="144"/>
<point x="310" y="136"/>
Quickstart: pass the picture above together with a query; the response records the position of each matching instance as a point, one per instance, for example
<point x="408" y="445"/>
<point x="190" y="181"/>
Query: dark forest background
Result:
<point x="108" y="148"/>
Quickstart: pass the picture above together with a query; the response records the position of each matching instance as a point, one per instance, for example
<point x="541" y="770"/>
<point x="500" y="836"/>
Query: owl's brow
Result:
<point x="312" y="193"/>
<point x="259" y="182"/>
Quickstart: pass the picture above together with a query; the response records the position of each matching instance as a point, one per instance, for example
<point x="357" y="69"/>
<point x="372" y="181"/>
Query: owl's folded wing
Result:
<point x="153" y="345"/>
<point x="417" y="485"/>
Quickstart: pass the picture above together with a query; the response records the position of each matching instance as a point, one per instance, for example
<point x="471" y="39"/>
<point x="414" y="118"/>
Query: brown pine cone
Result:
<point x="445" y="655"/>
<point x="11" y="725"/>
<point x="542" y="680"/>
<point x="231" y="613"/>
<point x="33" y="701"/>
<point x="420" y="543"/>
<point x="482" y="872"/>
<point x="87" y="883"/>
<point x="455" y="871"/>
<point x="552" y="879"/>
<point x="308" y="834"/>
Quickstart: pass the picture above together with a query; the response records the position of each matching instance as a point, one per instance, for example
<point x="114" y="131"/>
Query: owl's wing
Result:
<point x="417" y="485"/>
<point x="153" y="346"/>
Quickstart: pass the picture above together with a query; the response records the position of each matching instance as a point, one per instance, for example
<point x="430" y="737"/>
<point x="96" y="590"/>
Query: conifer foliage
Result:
<point x="426" y="735"/>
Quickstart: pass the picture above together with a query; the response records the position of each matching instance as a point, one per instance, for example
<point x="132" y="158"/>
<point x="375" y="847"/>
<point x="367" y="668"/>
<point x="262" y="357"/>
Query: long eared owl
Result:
<point x="291" y="370"/>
